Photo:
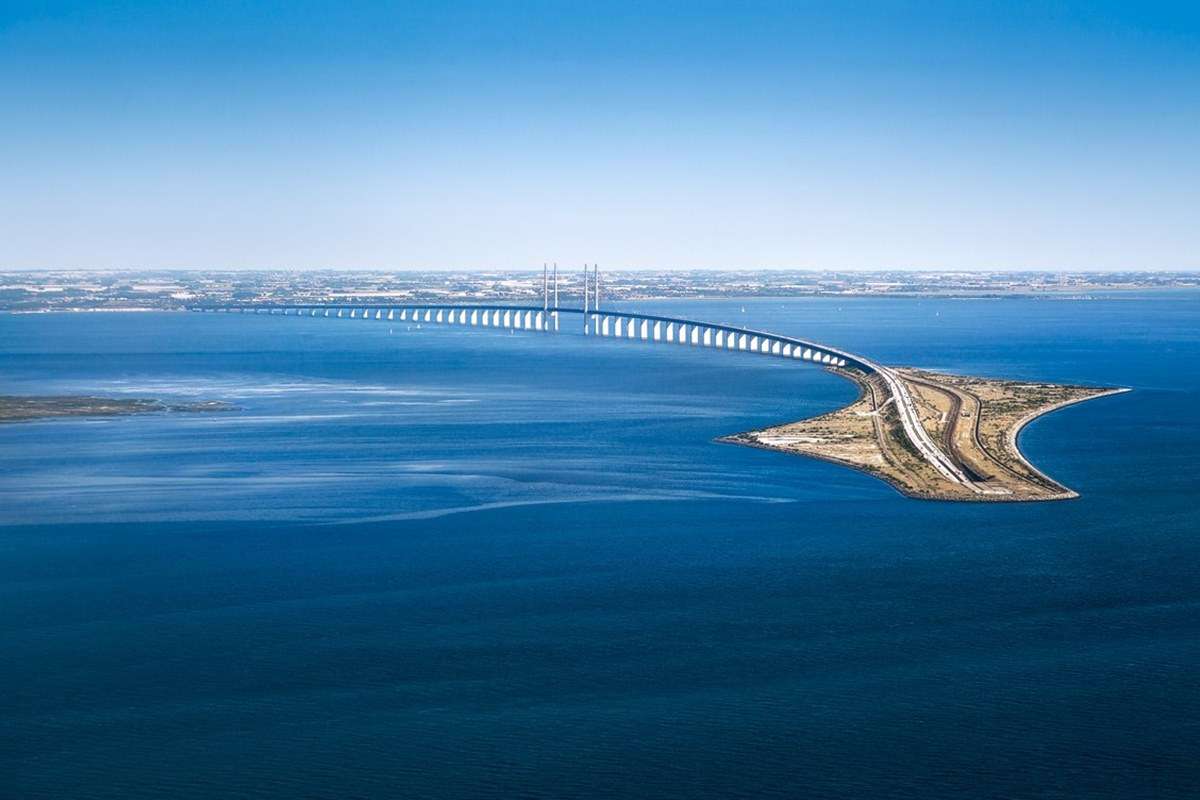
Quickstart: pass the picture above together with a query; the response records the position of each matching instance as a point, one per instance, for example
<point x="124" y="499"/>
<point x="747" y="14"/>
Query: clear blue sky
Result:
<point x="692" y="134"/>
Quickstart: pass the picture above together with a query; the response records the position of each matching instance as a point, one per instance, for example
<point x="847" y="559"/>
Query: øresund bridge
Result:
<point x="550" y="318"/>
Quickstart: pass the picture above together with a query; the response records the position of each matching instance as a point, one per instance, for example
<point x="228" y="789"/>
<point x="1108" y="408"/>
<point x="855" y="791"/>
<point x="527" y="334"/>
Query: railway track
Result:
<point x="949" y="431"/>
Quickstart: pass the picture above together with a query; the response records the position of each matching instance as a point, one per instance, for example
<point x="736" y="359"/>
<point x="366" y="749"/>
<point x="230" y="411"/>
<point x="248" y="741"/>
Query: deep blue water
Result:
<point x="442" y="563"/>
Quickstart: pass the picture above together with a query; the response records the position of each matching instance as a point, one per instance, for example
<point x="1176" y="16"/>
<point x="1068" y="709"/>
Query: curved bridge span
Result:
<point x="613" y="324"/>
<point x="636" y="327"/>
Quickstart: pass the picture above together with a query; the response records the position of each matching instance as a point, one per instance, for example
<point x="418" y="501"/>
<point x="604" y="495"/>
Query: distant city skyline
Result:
<point x="698" y="135"/>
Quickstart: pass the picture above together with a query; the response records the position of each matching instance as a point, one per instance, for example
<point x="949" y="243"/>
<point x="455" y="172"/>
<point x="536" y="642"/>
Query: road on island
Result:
<point x="917" y="434"/>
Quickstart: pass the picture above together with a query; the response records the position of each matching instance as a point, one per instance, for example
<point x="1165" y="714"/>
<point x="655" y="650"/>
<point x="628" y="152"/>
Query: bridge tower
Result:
<point x="586" y="327"/>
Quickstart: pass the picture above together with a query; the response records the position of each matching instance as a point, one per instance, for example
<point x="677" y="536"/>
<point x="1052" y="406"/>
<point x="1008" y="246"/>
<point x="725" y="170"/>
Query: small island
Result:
<point x="975" y="421"/>
<point x="16" y="408"/>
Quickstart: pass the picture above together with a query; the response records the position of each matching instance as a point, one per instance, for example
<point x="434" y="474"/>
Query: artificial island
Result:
<point x="973" y="422"/>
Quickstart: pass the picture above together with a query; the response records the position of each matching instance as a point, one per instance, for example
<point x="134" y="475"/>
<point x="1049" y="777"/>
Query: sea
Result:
<point x="435" y="562"/>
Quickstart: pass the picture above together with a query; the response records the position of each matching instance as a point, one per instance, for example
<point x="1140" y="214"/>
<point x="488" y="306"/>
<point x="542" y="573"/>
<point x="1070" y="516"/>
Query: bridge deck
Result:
<point x="848" y="359"/>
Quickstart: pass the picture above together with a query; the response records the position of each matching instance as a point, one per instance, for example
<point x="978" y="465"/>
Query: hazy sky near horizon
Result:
<point x="352" y="134"/>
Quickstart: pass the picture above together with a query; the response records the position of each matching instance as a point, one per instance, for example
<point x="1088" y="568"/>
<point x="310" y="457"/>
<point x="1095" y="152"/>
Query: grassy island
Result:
<point x="24" y="408"/>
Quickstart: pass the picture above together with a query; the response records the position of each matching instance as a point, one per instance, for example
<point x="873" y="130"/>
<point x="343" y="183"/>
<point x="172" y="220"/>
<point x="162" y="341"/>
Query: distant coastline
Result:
<point x="130" y="291"/>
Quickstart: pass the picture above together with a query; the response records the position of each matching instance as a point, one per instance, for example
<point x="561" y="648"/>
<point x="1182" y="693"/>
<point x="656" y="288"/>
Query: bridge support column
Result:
<point x="671" y="333"/>
<point x="645" y="330"/>
<point x="708" y="337"/>
<point x="657" y="331"/>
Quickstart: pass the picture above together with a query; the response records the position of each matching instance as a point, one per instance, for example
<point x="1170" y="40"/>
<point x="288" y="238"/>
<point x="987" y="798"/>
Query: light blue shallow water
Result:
<point x="443" y="563"/>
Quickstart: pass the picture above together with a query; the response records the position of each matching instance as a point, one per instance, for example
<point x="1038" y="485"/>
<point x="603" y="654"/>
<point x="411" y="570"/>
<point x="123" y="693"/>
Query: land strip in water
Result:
<point x="16" y="408"/>
<point x="975" y="421"/>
